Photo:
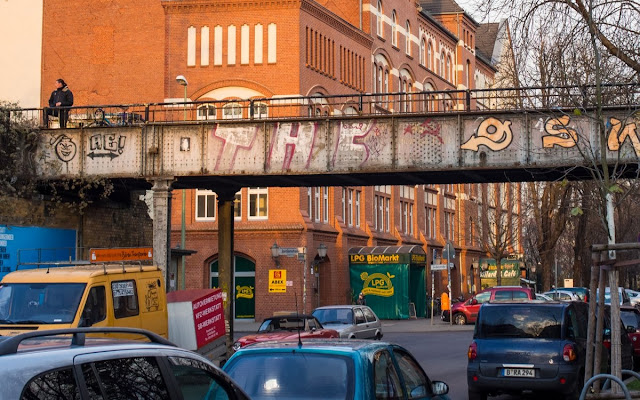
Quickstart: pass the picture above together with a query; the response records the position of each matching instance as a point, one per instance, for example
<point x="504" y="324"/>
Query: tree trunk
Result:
<point x="498" y="272"/>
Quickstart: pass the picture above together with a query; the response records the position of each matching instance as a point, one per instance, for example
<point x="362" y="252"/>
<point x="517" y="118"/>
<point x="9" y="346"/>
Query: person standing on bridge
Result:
<point x="60" y="98"/>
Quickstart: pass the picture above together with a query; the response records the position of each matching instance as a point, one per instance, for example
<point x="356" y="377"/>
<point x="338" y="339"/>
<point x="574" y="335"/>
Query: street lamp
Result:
<point x="322" y="253"/>
<point x="183" y="81"/>
<point x="275" y="251"/>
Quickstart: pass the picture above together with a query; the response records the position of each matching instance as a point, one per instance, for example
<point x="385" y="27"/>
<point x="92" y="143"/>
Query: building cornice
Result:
<point x="335" y="22"/>
<point x="226" y="6"/>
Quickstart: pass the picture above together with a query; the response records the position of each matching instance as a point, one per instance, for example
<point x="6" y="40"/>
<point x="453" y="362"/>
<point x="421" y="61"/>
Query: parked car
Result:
<point x="634" y="297"/>
<point x="287" y="327"/>
<point x="582" y="292"/>
<point x="538" y="346"/>
<point x="467" y="312"/>
<point x="544" y="297"/>
<point x="351" y="321"/>
<point x="631" y="319"/>
<point x="65" y="363"/>
<point x="623" y="297"/>
<point x="627" y="350"/>
<point x="332" y="369"/>
<point x="562" y="295"/>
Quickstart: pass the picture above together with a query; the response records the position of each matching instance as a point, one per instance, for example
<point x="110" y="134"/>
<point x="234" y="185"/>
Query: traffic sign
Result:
<point x="438" y="267"/>
<point x="289" y="251"/>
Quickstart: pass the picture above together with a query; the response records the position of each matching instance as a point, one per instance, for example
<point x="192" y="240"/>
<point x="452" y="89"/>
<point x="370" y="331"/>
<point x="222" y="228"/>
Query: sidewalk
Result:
<point x="388" y="325"/>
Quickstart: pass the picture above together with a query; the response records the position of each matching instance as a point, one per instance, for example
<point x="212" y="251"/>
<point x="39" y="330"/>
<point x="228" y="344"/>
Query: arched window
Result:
<point x="394" y="29"/>
<point x="231" y="111"/>
<point x="469" y="75"/>
<point x="430" y="56"/>
<point x="386" y="83"/>
<point x="428" y="101"/>
<point x="408" y="38"/>
<point x="380" y="22"/>
<point x="422" y="52"/>
<point x="206" y="111"/>
<point x="448" y="71"/>
<point x="380" y="87"/>
<point x="441" y="64"/>
<point x="260" y="110"/>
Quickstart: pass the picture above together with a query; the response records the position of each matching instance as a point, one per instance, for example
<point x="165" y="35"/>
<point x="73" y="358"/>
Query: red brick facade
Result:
<point x="127" y="52"/>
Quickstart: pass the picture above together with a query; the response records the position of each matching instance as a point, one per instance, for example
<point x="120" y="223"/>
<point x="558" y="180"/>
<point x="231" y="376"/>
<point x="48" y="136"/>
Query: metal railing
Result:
<point x="357" y="104"/>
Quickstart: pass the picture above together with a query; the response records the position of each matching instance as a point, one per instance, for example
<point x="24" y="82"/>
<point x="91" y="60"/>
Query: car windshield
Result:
<point x="629" y="318"/>
<point x="39" y="303"/>
<point x="282" y="324"/>
<point x="334" y="316"/>
<point x="295" y="375"/>
<point x="520" y="322"/>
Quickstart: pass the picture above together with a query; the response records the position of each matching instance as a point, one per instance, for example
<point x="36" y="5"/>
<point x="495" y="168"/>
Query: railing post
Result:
<point x="251" y="109"/>
<point x="146" y="112"/>
<point x="468" y="100"/>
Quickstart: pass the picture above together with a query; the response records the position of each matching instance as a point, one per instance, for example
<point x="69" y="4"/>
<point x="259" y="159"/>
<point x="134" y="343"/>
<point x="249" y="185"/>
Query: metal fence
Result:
<point x="359" y="104"/>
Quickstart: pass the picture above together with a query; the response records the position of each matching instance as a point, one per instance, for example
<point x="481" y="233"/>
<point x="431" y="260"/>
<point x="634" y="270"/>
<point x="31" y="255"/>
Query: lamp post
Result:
<point x="535" y="279"/>
<point x="275" y="252"/>
<point x="322" y="253"/>
<point x="183" y="81"/>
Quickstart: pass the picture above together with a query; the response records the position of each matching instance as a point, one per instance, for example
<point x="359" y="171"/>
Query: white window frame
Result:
<point x="236" y="111"/>
<point x="408" y="38"/>
<point x="206" y="194"/>
<point x="316" y="198"/>
<point x="350" y="207"/>
<point x="394" y="29"/>
<point x="209" y="114"/>
<point x="310" y="201"/>
<point x="357" y="211"/>
<point x="380" y="22"/>
<point x="237" y="205"/>
<point x="257" y="193"/>
<point x="387" y="216"/>
<point x="325" y="204"/>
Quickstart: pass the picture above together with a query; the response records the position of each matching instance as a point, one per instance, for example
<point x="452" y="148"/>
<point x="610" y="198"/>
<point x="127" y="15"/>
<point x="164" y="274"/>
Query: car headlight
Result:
<point x="236" y="346"/>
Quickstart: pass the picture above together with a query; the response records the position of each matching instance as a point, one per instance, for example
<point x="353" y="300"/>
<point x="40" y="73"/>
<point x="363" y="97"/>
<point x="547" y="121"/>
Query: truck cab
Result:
<point x="83" y="296"/>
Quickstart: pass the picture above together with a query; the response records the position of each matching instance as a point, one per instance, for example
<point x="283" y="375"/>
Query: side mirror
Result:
<point x="631" y="329"/>
<point x="474" y="302"/>
<point x="439" y="388"/>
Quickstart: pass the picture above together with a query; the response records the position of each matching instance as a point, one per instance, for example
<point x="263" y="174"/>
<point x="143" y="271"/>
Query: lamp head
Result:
<point x="322" y="250"/>
<point x="275" y="250"/>
<point x="182" y="80"/>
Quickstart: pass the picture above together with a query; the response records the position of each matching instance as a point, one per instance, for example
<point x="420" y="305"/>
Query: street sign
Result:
<point x="440" y="267"/>
<point x="289" y="251"/>
<point x="449" y="252"/>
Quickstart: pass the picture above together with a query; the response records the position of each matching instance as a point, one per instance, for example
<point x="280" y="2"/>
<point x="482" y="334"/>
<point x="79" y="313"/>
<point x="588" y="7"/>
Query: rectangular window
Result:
<point x="244" y="44"/>
<point x="125" y="298"/>
<point x="258" y="202"/>
<point x="217" y="45"/>
<point x="231" y="45"/>
<point x="309" y="202"/>
<point x="344" y="205"/>
<point x="325" y="204"/>
<point x="204" y="46"/>
<point x="350" y="207"/>
<point x="271" y="44"/>
<point x="205" y="205"/>
<point x="237" y="206"/>
<point x="257" y="56"/>
<point x="357" y="212"/>
<point x="375" y="213"/>
<point x="191" y="46"/>
<point x="387" y="218"/>
<point x="317" y="204"/>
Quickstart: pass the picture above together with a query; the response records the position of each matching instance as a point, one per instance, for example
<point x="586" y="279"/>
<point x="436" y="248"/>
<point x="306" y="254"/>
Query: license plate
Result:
<point x="519" y="372"/>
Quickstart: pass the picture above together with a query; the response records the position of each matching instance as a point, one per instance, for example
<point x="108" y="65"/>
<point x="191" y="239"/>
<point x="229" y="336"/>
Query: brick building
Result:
<point x="123" y="52"/>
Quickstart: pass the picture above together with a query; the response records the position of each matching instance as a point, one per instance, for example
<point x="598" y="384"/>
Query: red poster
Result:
<point x="208" y="316"/>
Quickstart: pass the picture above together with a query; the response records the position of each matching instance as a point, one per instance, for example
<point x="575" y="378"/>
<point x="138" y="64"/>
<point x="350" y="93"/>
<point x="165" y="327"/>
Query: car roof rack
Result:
<point x="10" y="345"/>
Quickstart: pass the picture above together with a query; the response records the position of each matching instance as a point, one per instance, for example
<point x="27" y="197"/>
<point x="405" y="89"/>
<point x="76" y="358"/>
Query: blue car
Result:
<point x="331" y="369"/>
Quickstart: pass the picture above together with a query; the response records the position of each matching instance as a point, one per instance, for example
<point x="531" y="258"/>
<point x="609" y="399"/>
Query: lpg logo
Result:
<point x="358" y="258"/>
<point x="377" y="284"/>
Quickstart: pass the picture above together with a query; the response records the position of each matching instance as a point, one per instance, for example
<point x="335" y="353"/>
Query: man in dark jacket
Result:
<point x="60" y="98"/>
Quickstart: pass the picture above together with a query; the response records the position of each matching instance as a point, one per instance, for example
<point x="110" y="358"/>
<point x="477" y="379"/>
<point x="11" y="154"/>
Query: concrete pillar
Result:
<point x="225" y="256"/>
<point x="162" y="224"/>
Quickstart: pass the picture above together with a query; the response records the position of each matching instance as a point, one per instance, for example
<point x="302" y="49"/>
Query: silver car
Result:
<point x="351" y="321"/>
<point x="65" y="364"/>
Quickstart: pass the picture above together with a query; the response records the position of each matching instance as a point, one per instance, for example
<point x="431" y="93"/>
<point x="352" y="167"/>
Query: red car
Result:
<point x="467" y="312"/>
<point x="287" y="327"/>
<point x="631" y="319"/>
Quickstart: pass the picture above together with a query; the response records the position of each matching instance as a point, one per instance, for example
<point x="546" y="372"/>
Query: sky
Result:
<point x="21" y="49"/>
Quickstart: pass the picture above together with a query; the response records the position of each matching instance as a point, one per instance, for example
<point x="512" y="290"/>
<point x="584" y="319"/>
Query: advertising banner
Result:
<point x="121" y="254"/>
<point x="208" y="317"/>
<point x="277" y="281"/>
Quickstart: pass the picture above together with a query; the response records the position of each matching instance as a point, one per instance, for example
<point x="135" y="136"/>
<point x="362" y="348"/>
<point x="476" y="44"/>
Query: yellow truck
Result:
<point x="122" y="295"/>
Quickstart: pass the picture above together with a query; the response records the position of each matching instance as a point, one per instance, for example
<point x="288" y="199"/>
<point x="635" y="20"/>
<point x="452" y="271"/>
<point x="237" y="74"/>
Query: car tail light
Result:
<point x="569" y="353"/>
<point x="607" y="343"/>
<point x="473" y="351"/>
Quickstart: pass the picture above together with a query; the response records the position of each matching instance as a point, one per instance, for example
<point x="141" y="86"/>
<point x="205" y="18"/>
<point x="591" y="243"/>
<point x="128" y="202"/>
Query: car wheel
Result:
<point x="473" y="395"/>
<point x="460" y="319"/>
<point x="378" y="336"/>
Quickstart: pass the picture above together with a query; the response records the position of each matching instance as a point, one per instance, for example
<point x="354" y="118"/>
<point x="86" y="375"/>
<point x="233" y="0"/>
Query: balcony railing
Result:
<point x="356" y="105"/>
